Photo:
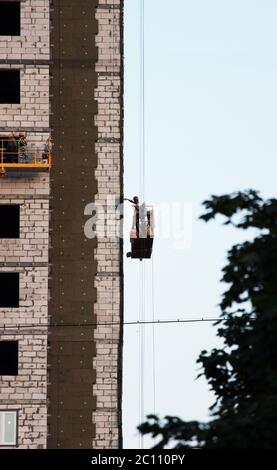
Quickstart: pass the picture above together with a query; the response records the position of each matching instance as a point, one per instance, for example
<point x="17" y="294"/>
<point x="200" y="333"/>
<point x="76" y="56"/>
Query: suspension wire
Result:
<point x="143" y="271"/>
<point x="153" y="340"/>
<point x="142" y="100"/>
<point x="141" y="350"/>
<point x="142" y="195"/>
<point x="139" y="358"/>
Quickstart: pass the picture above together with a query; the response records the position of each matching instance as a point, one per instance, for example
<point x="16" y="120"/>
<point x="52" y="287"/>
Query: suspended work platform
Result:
<point x="142" y="233"/>
<point x="20" y="155"/>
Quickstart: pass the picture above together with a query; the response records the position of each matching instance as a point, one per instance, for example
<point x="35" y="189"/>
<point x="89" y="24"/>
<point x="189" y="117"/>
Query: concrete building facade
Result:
<point x="61" y="292"/>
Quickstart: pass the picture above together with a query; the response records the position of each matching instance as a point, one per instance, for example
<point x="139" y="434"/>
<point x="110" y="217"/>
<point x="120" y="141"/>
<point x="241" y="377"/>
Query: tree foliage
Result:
<point x="243" y="373"/>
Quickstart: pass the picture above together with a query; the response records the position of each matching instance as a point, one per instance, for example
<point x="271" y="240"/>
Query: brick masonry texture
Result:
<point x="32" y="424"/>
<point x="33" y="43"/>
<point x="108" y="283"/>
<point x="28" y="255"/>
<point x="33" y="110"/>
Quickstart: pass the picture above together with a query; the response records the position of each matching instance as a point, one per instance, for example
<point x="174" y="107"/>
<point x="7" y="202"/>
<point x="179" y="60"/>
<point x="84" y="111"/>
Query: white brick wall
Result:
<point x="30" y="382"/>
<point x="28" y="255"/>
<point x="32" y="424"/>
<point x="33" y="43"/>
<point x="108" y="173"/>
<point x="32" y="298"/>
<point x="33" y="109"/>
<point x="27" y="391"/>
<point x="32" y="246"/>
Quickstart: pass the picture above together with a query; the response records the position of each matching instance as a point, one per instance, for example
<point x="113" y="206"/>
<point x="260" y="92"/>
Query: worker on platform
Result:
<point x="12" y="153"/>
<point x="47" y="150"/>
<point x="134" y="201"/>
<point x="22" y="146"/>
<point x="136" y="205"/>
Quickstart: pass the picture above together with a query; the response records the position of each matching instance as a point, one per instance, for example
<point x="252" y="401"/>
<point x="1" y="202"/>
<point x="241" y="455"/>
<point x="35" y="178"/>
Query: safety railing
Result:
<point x="19" y="155"/>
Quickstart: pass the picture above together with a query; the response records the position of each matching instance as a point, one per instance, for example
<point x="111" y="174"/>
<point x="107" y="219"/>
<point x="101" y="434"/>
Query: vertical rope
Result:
<point x="140" y="377"/>
<point x="142" y="350"/>
<point x="153" y="339"/>
<point x="142" y="100"/>
<point x="142" y="192"/>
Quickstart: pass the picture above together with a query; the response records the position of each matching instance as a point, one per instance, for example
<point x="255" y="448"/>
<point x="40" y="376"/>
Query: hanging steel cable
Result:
<point x="142" y="192"/>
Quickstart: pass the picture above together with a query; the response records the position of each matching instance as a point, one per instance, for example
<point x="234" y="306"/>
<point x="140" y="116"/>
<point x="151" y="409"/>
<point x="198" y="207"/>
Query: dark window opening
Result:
<point x="8" y="357"/>
<point x="10" y="18"/>
<point x="9" y="221"/>
<point x="9" y="86"/>
<point x="9" y="290"/>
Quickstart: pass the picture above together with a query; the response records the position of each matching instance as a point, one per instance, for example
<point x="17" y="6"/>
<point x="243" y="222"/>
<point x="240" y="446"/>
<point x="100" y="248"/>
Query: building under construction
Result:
<point x="61" y="139"/>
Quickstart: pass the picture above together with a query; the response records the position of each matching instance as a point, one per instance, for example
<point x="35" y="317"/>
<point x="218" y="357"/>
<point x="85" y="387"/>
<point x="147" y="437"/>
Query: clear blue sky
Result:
<point x="211" y="120"/>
